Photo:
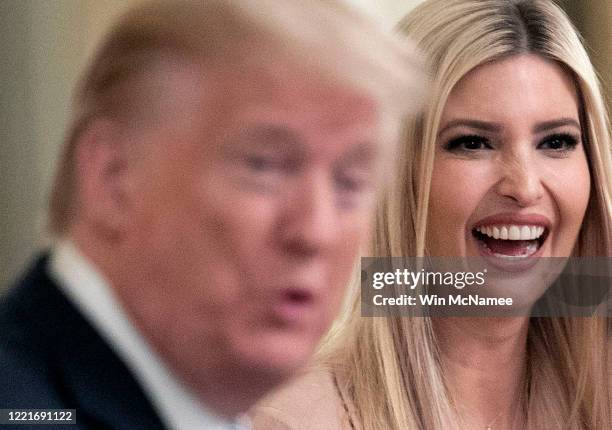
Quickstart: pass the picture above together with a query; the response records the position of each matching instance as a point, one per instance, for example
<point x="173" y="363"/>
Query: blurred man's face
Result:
<point x="251" y="200"/>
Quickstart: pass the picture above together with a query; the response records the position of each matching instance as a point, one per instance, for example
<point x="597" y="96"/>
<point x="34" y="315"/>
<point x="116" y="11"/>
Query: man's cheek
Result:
<point x="354" y="239"/>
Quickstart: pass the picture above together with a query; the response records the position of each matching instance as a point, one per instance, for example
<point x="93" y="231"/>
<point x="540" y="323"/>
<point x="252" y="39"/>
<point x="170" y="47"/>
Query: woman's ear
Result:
<point x="102" y="172"/>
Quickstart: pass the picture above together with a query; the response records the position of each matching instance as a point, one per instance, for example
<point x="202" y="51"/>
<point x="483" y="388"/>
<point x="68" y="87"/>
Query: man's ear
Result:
<point x="102" y="168"/>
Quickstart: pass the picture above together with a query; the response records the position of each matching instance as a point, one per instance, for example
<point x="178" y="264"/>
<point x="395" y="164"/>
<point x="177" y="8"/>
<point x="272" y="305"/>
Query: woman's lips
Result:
<point x="511" y="237"/>
<point x="510" y="241"/>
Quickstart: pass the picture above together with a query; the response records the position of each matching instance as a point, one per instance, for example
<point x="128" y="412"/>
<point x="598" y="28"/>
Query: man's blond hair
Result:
<point x="326" y="36"/>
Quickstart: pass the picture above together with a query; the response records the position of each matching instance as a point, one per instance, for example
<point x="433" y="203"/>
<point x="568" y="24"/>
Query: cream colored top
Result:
<point x="309" y="402"/>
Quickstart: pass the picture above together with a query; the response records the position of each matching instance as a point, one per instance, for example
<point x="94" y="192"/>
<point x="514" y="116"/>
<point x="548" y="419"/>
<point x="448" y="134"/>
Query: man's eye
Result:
<point x="559" y="142"/>
<point x="259" y="163"/>
<point x="467" y="144"/>
<point x="353" y="189"/>
<point x="350" y="184"/>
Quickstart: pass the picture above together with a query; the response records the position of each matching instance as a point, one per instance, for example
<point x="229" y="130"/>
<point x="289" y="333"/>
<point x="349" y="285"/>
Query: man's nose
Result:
<point x="309" y="224"/>
<point x="520" y="179"/>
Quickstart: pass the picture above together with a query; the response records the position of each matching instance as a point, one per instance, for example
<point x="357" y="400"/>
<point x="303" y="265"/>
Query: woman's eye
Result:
<point x="559" y="142"/>
<point x="468" y="143"/>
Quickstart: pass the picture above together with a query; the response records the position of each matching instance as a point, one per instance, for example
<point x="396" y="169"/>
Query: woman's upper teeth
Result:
<point x="512" y="232"/>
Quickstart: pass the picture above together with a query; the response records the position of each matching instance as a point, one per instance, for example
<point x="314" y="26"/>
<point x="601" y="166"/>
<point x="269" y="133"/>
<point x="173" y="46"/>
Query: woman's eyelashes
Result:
<point x="559" y="142"/>
<point x="468" y="143"/>
<point x="556" y="144"/>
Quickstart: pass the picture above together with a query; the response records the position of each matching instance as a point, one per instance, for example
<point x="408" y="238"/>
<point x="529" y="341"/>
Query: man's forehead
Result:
<point x="272" y="105"/>
<point x="193" y="77"/>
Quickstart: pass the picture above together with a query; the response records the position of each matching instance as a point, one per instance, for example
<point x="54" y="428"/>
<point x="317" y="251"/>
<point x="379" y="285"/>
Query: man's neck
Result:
<point x="213" y="401"/>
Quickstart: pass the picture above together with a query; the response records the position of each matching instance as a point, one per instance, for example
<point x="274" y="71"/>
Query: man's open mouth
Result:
<point x="510" y="240"/>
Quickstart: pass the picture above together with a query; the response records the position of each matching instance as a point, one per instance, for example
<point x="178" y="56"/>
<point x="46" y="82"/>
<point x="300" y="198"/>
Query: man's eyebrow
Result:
<point x="363" y="152"/>
<point x="472" y="123"/>
<point x="272" y="136"/>
<point x="561" y="122"/>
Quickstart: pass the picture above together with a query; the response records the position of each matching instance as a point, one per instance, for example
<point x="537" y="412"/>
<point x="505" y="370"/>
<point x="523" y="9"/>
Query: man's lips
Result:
<point x="293" y="305"/>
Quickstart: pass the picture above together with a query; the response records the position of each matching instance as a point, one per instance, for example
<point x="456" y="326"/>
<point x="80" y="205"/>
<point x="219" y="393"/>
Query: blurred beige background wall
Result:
<point x="593" y="18"/>
<point x="43" y="46"/>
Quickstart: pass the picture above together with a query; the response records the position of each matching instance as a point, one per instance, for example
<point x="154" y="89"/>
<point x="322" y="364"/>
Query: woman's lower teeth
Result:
<point x="524" y="251"/>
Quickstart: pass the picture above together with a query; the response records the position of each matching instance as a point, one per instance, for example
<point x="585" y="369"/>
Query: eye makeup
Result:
<point x="559" y="142"/>
<point x="468" y="143"/>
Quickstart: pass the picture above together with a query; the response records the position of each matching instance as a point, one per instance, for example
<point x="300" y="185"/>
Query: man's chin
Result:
<point x="275" y="356"/>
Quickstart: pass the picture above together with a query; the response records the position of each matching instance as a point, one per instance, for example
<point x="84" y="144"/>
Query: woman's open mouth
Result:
<point x="510" y="241"/>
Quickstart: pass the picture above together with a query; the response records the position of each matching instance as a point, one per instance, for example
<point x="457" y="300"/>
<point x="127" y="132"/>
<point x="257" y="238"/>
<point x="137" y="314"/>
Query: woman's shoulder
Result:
<point x="308" y="402"/>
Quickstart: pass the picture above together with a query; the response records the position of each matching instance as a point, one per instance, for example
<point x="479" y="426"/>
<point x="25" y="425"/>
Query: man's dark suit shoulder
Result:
<point x="52" y="358"/>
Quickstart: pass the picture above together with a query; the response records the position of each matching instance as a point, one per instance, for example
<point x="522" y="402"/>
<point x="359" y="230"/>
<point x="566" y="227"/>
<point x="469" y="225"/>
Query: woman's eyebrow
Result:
<point x="561" y="122"/>
<point x="491" y="127"/>
<point x="495" y="127"/>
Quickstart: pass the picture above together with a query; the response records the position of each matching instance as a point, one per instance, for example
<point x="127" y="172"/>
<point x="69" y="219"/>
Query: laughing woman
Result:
<point x="511" y="159"/>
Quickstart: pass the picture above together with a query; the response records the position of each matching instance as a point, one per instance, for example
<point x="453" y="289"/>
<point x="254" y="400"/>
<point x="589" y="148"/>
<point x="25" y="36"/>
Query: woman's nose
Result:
<point x="520" y="179"/>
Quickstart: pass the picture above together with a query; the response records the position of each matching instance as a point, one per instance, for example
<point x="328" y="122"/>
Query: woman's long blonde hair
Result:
<point x="389" y="368"/>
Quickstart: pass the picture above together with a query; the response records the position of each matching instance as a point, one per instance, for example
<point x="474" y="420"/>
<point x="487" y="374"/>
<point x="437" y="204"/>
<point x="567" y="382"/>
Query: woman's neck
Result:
<point x="484" y="361"/>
